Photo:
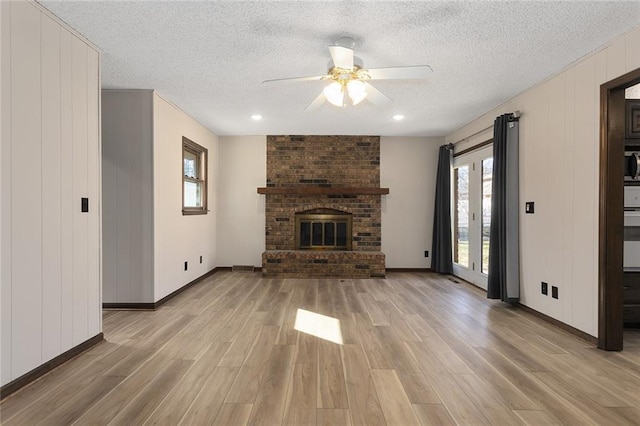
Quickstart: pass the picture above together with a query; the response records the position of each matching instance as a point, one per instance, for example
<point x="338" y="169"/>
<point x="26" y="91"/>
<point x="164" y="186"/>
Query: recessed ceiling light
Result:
<point x="398" y="117"/>
<point x="256" y="117"/>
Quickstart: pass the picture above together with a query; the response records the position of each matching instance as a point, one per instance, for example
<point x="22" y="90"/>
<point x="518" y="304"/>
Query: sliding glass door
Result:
<point x="472" y="215"/>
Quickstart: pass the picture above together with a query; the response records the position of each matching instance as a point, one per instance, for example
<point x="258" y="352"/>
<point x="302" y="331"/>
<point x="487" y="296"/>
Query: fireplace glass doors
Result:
<point x="319" y="231"/>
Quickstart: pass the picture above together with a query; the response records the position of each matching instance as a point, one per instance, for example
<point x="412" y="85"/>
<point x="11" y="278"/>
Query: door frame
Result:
<point x="610" y="226"/>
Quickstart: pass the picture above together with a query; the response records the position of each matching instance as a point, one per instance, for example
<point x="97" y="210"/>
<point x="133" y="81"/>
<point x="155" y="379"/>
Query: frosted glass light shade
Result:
<point x="357" y="91"/>
<point x="334" y="94"/>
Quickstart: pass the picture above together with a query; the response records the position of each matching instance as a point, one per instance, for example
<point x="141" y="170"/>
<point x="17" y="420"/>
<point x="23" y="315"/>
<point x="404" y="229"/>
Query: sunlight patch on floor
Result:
<point x="318" y="325"/>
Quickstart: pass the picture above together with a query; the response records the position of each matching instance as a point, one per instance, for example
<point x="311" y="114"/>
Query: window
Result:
<point x="461" y="216"/>
<point x="487" y="189"/>
<point x="194" y="178"/>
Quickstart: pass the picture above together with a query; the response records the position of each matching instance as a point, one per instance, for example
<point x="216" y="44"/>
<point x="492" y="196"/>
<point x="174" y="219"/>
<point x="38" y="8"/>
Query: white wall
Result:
<point x="408" y="168"/>
<point x="241" y="214"/>
<point x="5" y="197"/>
<point x="50" y="159"/>
<point x="179" y="238"/>
<point x="559" y="139"/>
<point x="127" y="196"/>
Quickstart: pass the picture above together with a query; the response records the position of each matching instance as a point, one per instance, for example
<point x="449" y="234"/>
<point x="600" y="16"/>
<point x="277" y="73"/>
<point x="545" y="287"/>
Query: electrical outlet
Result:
<point x="200" y="259"/>
<point x="554" y="292"/>
<point x="544" y="288"/>
<point x="426" y="253"/>
<point x="186" y="265"/>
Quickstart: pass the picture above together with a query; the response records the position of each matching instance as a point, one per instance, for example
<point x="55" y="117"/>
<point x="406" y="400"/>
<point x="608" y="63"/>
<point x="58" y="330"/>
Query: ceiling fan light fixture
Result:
<point x="334" y="94"/>
<point x="357" y="91"/>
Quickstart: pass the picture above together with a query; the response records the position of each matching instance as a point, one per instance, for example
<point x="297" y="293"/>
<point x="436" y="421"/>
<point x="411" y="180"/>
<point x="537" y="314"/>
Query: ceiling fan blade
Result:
<point x="316" y="103"/>
<point x="311" y="78"/>
<point x="393" y="73"/>
<point x="342" y="57"/>
<point x="376" y="97"/>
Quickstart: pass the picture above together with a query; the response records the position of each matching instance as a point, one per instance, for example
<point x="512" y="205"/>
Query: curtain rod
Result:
<point x="516" y="115"/>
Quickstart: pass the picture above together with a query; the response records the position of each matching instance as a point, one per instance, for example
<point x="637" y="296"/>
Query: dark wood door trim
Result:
<point x="610" y="234"/>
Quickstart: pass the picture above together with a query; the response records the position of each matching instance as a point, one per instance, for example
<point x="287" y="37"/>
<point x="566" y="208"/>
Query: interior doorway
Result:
<point x="610" y="246"/>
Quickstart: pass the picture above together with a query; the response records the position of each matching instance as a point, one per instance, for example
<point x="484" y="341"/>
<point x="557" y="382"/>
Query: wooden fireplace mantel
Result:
<point x="321" y="190"/>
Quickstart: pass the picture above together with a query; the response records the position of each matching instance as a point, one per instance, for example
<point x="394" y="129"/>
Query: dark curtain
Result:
<point x="441" y="258"/>
<point x="503" y="278"/>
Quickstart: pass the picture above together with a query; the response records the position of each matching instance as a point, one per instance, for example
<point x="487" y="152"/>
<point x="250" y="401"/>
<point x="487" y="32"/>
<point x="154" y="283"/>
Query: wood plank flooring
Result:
<point x="418" y="349"/>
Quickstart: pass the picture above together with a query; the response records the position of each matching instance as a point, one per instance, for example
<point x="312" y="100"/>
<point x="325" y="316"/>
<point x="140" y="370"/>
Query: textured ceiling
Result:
<point x="209" y="58"/>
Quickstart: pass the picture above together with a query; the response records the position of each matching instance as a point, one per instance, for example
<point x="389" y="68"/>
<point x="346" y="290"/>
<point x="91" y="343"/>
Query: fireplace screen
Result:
<point x="323" y="232"/>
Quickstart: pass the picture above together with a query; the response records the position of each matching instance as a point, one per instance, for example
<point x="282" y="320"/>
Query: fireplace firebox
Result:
<point x="323" y="229"/>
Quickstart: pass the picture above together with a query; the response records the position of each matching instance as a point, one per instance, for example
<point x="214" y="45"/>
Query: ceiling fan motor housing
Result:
<point x="346" y="41"/>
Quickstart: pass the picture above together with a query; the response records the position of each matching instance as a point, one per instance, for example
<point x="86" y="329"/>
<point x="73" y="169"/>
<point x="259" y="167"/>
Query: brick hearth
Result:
<point x="328" y="162"/>
<point x="322" y="264"/>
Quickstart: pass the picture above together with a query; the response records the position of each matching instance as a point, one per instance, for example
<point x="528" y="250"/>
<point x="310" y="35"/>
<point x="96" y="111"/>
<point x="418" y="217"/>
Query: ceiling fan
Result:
<point x="349" y="81"/>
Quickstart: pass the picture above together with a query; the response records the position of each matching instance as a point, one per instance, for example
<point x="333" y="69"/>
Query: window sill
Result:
<point x="193" y="212"/>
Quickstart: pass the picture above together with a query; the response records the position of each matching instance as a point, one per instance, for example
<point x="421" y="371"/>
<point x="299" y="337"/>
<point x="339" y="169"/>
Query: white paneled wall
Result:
<point x="51" y="189"/>
<point x="5" y="197"/>
<point x="26" y="188"/>
<point x="50" y="160"/>
<point x="559" y="157"/>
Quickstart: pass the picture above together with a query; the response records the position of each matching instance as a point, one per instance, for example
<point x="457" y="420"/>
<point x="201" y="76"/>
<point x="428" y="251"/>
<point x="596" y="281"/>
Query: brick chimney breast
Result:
<point x="323" y="162"/>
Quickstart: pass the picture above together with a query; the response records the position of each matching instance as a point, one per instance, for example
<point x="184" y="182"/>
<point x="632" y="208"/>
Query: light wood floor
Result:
<point x="418" y="349"/>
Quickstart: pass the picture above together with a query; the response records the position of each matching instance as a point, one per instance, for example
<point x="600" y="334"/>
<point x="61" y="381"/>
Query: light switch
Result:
<point x="529" y="207"/>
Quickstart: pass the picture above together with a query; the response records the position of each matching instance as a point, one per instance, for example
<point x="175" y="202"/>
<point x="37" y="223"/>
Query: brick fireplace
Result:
<point x="313" y="175"/>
